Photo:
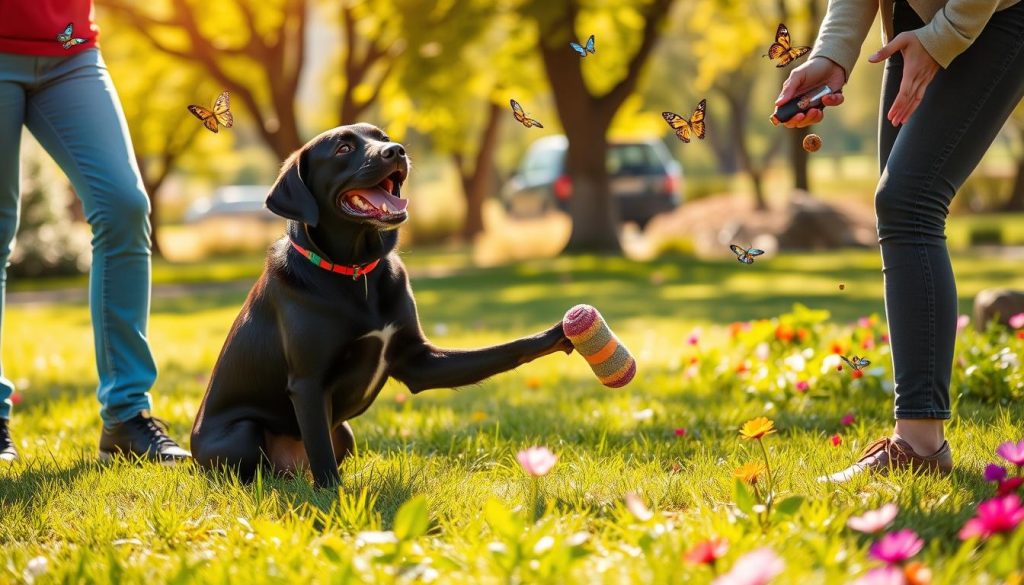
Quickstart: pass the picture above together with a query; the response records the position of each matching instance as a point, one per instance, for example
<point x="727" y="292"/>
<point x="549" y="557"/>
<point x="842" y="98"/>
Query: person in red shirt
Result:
<point x="54" y="82"/>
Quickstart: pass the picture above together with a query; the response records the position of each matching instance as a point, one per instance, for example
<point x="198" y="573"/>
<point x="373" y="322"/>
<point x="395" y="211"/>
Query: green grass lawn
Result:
<point x="147" y="524"/>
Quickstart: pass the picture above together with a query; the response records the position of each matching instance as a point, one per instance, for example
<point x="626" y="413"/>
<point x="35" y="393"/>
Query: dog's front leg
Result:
<point x="311" y="412"/>
<point x="425" y="367"/>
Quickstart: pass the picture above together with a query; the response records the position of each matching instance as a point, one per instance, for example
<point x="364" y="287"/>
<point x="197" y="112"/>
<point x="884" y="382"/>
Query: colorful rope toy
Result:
<point x="591" y="336"/>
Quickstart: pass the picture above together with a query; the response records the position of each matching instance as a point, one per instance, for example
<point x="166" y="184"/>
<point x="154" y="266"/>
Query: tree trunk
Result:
<point x="799" y="159"/>
<point x="1016" y="200"/>
<point x="594" y="216"/>
<point x="476" y="184"/>
<point x="586" y="118"/>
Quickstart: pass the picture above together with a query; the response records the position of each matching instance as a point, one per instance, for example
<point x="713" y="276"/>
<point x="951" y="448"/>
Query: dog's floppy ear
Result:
<point x="290" y="197"/>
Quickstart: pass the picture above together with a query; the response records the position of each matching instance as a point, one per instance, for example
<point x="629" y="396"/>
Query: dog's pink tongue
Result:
<point x="378" y="197"/>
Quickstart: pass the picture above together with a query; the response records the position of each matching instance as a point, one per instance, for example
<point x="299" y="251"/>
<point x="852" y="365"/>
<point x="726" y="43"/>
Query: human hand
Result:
<point x="918" y="70"/>
<point x="813" y="74"/>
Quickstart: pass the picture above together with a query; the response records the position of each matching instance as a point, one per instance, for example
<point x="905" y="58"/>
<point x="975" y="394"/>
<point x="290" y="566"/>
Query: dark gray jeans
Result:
<point x="923" y="164"/>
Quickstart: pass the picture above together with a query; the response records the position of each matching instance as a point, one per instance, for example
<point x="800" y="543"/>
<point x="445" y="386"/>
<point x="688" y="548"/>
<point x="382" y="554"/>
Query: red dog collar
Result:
<point x="354" y="270"/>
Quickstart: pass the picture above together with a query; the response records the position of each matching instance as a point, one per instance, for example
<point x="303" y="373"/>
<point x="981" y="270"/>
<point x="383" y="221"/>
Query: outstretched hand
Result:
<point x="811" y="75"/>
<point x="918" y="70"/>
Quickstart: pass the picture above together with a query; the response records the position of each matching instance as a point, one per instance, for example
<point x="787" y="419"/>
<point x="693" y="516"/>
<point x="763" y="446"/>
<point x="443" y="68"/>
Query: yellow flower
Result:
<point x="749" y="472"/>
<point x="757" y="428"/>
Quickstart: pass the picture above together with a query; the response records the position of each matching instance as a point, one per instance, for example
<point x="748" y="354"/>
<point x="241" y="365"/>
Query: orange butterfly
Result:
<point x="219" y="116"/>
<point x="783" y="50"/>
<point x="684" y="126"/>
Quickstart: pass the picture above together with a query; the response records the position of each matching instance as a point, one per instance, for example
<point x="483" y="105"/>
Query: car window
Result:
<point x="634" y="159"/>
<point x="542" y="165"/>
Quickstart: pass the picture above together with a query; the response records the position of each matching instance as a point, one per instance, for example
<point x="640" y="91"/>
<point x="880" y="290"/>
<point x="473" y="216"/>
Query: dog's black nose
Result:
<point x="392" y="150"/>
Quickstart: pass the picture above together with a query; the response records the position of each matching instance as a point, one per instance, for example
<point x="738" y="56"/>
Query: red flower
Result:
<point x="1020" y="334"/>
<point x="16" y="398"/>
<point x="857" y="374"/>
<point x="836" y="440"/>
<point x="742" y="367"/>
<point x="1008" y="486"/>
<point x="735" y="328"/>
<point x="680" y="432"/>
<point x="707" y="552"/>
<point x="837" y="348"/>
<point x="885" y="338"/>
<point x="848" y="419"/>
<point x="802" y="386"/>
<point x="694" y="359"/>
<point x="802" y="334"/>
<point x="784" y="333"/>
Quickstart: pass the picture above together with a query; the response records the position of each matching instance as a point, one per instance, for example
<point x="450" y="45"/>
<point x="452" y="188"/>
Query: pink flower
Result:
<point x="694" y="337"/>
<point x="1000" y="514"/>
<point x="864" y="322"/>
<point x="836" y="440"/>
<point x="537" y="461"/>
<point x="847" y="420"/>
<point x="882" y="576"/>
<point x="757" y="567"/>
<point x="961" y="323"/>
<point x="1017" y="321"/>
<point x="1012" y="452"/>
<point x="868" y="343"/>
<point x="802" y="386"/>
<point x="1009" y="485"/>
<point x="874" y="520"/>
<point x="995" y="472"/>
<point x="680" y="432"/>
<point x="885" y="338"/>
<point x="896" y="547"/>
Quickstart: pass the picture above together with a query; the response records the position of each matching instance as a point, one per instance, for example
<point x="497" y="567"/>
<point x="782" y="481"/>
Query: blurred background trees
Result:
<point x="439" y="76"/>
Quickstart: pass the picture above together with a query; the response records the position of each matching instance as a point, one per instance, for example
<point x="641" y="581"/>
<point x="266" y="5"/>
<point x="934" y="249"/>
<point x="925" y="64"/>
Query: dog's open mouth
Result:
<point x="381" y="203"/>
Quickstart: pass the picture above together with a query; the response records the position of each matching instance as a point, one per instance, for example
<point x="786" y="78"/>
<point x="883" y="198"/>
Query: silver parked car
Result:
<point x="645" y="180"/>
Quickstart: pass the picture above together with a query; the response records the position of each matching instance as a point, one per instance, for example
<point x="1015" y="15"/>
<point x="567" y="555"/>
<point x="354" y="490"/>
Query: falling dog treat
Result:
<point x="591" y="336"/>
<point x="842" y="286"/>
<point x="812" y="142"/>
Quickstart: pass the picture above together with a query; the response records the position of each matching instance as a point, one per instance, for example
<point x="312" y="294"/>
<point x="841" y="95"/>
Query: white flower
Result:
<point x="377" y="537"/>
<point x="830" y="363"/>
<point x="543" y="545"/>
<point x="795" y="362"/>
<point x="644" y="414"/>
<point x="762" y="351"/>
<point x="35" y="567"/>
<point x="1007" y="358"/>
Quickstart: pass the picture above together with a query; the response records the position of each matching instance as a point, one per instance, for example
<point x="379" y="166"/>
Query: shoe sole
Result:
<point x="107" y="457"/>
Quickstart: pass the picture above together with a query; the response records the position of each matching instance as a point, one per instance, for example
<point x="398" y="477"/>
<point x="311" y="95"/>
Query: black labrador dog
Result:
<point x="331" y="318"/>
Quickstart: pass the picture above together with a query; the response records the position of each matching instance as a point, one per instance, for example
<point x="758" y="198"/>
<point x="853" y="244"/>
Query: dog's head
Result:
<point x="351" y="173"/>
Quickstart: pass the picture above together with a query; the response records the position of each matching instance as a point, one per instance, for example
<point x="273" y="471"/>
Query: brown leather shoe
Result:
<point x="885" y="454"/>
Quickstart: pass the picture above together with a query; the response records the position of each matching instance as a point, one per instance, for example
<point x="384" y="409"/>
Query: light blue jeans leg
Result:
<point x="14" y="71"/>
<point x="75" y="114"/>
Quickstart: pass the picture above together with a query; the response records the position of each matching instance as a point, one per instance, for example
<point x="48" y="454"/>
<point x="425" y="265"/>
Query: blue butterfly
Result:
<point x="66" y="37"/>
<point x="583" y="50"/>
<point x="856" y="362"/>
<point x="745" y="256"/>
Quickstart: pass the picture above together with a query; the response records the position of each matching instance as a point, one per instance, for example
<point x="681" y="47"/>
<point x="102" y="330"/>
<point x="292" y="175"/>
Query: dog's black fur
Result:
<point x="311" y="349"/>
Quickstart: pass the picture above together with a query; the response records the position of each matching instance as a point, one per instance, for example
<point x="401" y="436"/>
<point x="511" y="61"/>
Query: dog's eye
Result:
<point x="345" y="149"/>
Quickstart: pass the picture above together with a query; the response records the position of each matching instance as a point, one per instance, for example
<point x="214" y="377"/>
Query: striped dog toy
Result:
<point x="590" y="335"/>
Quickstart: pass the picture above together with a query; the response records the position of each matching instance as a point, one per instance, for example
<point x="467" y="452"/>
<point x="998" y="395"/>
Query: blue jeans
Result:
<point x="924" y="163"/>
<point x="70" y="106"/>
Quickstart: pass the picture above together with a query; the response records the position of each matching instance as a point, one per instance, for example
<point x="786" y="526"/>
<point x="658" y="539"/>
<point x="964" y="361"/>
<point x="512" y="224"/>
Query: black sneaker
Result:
<point x="7" y="450"/>
<point x="142" y="436"/>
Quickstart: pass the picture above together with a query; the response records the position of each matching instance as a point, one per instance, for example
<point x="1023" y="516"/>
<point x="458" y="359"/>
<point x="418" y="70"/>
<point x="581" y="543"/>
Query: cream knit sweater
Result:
<point x="951" y="26"/>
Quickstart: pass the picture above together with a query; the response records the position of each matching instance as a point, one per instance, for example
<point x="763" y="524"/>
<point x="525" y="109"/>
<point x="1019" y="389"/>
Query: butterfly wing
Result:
<point x="590" y="45"/>
<point x="209" y="118"/>
<point x="848" y="362"/>
<point x="530" y="122"/>
<point x="790" y="54"/>
<point x="782" y="37"/>
<point x="73" y="42"/>
<point x="518" y="112"/>
<point x="755" y="252"/>
<point x="697" y="120"/>
<point x="863" y="363"/>
<point x="65" y="36"/>
<point x="578" y="48"/>
<point x="222" y="110"/>
<point x="678" y="123"/>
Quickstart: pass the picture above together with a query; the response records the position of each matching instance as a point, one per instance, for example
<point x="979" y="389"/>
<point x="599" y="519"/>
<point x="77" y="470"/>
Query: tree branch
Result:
<point x="609" y="102"/>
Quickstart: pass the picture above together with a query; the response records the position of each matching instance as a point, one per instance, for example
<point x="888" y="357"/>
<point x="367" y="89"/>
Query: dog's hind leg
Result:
<point x="239" y="448"/>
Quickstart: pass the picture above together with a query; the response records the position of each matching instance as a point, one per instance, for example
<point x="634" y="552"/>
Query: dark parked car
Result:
<point x="645" y="180"/>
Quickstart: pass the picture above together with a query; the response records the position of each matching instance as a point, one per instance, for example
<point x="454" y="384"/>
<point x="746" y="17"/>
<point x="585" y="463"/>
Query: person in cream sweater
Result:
<point x="954" y="71"/>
